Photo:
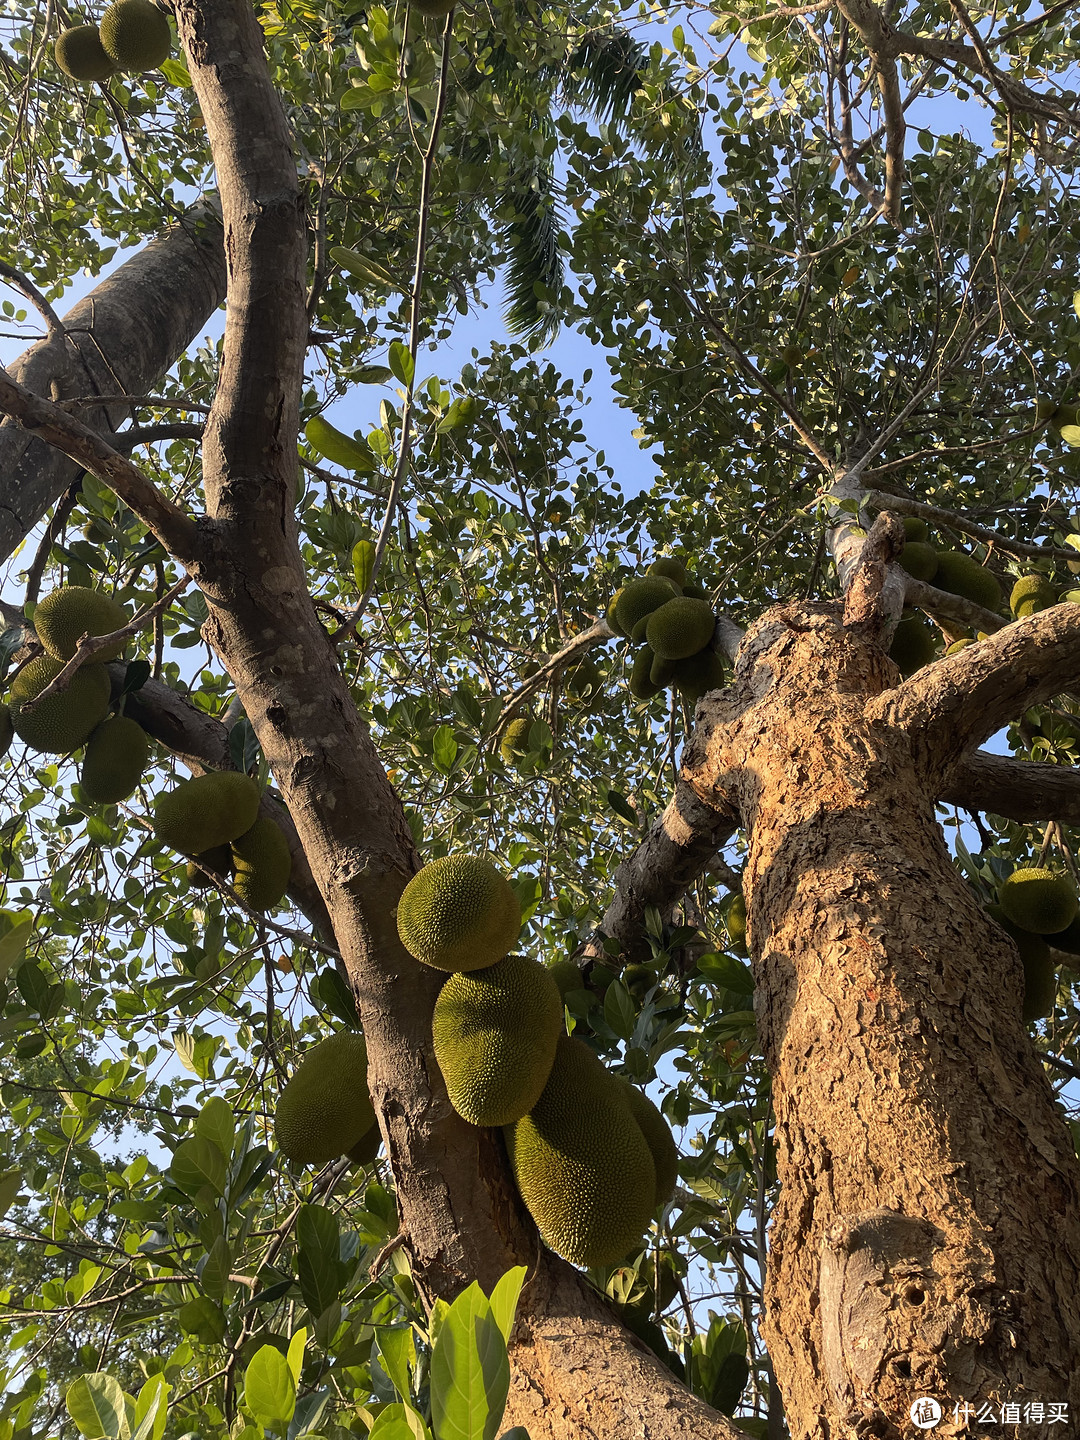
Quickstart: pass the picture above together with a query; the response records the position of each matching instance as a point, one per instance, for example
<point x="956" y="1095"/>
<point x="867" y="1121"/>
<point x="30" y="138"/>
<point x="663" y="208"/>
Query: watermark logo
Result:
<point x="925" y="1413"/>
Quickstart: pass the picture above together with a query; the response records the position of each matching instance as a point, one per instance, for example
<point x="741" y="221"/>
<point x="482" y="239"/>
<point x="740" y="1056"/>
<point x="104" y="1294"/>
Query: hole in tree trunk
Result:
<point x="914" y="1296"/>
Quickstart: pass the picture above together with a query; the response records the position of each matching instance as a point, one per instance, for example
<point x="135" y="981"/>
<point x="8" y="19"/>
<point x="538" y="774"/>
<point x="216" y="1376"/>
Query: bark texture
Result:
<point x="927" y="1235"/>
<point x="121" y="339"/>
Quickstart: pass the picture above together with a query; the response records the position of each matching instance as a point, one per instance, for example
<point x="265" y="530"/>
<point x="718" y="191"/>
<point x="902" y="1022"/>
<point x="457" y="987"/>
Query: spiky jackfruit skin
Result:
<point x="219" y="860"/>
<point x="640" y="682"/>
<point x="641" y="597"/>
<point x="958" y="645"/>
<point x="263" y="863"/>
<point x="135" y="35"/>
<point x="1068" y="939"/>
<point x="495" y="1032"/>
<point x="1030" y="594"/>
<point x="367" y="1147"/>
<point x="515" y="741"/>
<point x="207" y="811"/>
<point x="61" y="723"/>
<point x="671" y="567"/>
<point x="1040" y="986"/>
<point x="65" y="615"/>
<point x="7" y="730"/>
<point x="680" y="628"/>
<point x="611" y="614"/>
<point x="915" y="529"/>
<point x="582" y="1165"/>
<point x="325" y="1109"/>
<point x="116" y="756"/>
<point x="961" y="575"/>
<point x="919" y="560"/>
<point x="1038" y="901"/>
<point x="661" y="671"/>
<point x="459" y="913"/>
<point x="912" y="645"/>
<point x="567" y="977"/>
<point x="659" y="1139"/>
<point x="698" y="674"/>
<point x="80" y="54"/>
<point x="582" y="682"/>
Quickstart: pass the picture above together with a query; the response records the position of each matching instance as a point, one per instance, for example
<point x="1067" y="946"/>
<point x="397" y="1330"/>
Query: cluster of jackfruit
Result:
<point x="459" y="913"/>
<point x="676" y="622"/>
<point x="133" y="35"/>
<point x="325" y="1110"/>
<point x="914" y="641"/>
<point x="1032" y="904"/>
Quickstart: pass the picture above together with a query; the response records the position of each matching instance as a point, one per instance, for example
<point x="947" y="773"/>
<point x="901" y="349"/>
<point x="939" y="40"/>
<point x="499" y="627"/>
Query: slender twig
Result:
<point x="53" y="323"/>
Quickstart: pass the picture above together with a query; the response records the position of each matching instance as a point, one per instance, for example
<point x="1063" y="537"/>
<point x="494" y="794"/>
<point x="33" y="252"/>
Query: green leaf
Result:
<point x="319" y="1269"/>
<point x="361" y="266"/>
<point x="269" y="1387"/>
<point x="176" y="72"/>
<point x="724" y="970"/>
<point x="10" y="1184"/>
<point x="372" y="375"/>
<point x="444" y="748"/>
<point x="295" y="1357"/>
<point x="504" y="1299"/>
<point x="96" y="1404"/>
<point x="401" y="362"/>
<point x="151" y="1409"/>
<point x="619" y="1010"/>
<point x="330" y="992"/>
<point x="517" y="1432"/>
<point x="1076" y="301"/>
<point x="1071" y="435"/>
<point x="198" y="1162"/>
<point x="363" y="562"/>
<point x="13" y="944"/>
<point x="460" y="412"/>
<point x="334" y="445"/>
<point x="470" y="1371"/>
<point x="214" y="1269"/>
<point x="215" y="1123"/>
<point x="135" y="676"/>
<point x="399" y="1422"/>
<point x="397" y="1352"/>
<point x="203" y="1319"/>
<point x="621" y="806"/>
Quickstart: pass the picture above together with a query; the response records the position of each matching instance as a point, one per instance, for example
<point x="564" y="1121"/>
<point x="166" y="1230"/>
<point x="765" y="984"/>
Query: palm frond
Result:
<point x="534" y="268"/>
<point x="603" y="72"/>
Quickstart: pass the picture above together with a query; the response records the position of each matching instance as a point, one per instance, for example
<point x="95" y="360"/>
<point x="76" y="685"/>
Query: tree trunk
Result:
<point x="927" y="1235"/>
<point x="120" y="339"/>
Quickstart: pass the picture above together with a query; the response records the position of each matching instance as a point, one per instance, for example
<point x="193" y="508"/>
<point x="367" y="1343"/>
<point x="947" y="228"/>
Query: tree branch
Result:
<point x="1024" y="790"/>
<point x="936" y="516"/>
<point x="953" y="607"/>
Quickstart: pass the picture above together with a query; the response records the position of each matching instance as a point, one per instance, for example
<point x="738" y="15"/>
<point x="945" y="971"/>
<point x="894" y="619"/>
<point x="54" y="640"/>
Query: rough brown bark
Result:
<point x="121" y="339"/>
<point x="927" y="1235"/>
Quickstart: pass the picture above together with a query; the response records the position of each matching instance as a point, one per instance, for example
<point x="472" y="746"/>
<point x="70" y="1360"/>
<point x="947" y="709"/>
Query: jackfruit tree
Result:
<point x="763" y="717"/>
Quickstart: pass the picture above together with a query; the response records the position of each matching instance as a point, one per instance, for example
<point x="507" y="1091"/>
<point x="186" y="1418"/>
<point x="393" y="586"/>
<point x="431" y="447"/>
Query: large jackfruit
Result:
<point x="263" y="863"/>
<point x="135" y="35"/>
<point x="61" y="723"/>
<point x="206" y="811"/>
<point x="7" y="730"/>
<point x="1030" y="594"/>
<point x="961" y="575"/>
<point x="658" y="1137"/>
<point x="673" y="568"/>
<point x="698" y="674"/>
<point x="582" y="1165"/>
<point x="1040" y="974"/>
<point x="459" y="913"/>
<point x="80" y="54"/>
<point x="912" y="645"/>
<point x="514" y="745"/>
<point x="915" y="529"/>
<point x="641" y="597"/>
<point x="1038" y="901"/>
<point x="641" y="682"/>
<point x="495" y="1032"/>
<point x="680" y="628"/>
<point x="919" y="560"/>
<point x="116" y="756"/>
<point x="611" y="614"/>
<point x="325" y="1109"/>
<point x="65" y="615"/>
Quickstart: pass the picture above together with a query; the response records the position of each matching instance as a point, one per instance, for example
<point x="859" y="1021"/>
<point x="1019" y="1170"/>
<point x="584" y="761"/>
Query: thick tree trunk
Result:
<point x="927" y="1235"/>
<point x="120" y="339"/>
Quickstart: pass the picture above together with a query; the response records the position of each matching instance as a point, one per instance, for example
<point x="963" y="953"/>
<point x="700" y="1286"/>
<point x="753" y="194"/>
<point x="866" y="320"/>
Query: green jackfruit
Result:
<point x="459" y="913"/>
<point x="639" y="979"/>
<point x="64" y="616"/>
<point x="1038" y="901"/>
<point x="680" y="628"/>
<point x="641" y="597"/>
<point x="671" y="567"/>
<point x="367" y="1147"/>
<point x="567" y="976"/>
<point x="116" y="756"/>
<point x="912" y="645"/>
<point x="695" y="592"/>
<point x="514" y="745"/>
<point x="661" y="671"/>
<point x="219" y="861"/>
<point x="61" y="723"/>
<point x="495" y="1032"/>
<point x="961" y="575"/>
<point x="325" y="1109"/>
<point x="641" y="685"/>
<point x="611" y="614"/>
<point x="919" y="560"/>
<point x="583" y="1167"/>
<point x="915" y="529"/>
<point x="7" y="730"/>
<point x="1040" y="986"/>
<point x="263" y="864"/>
<point x="698" y="674"/>
<point x="958" y="645"/>
<point x="135" y="34"/>
<point x="736" y="920"/>
<point x="582" y="682"/>
<point x="1030" y="594"/>
<point x="206" y="811"/>
<point x="80" y="54"/>
<point x="658" y="1137"/>
<point x="1068" y="939"/>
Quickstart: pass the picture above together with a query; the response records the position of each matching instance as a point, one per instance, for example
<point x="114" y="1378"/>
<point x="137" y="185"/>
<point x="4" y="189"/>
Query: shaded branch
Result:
<point x="1024" y="790"/>
<point x="570" y="653"/>
<point x="952" y="607"/>
<point x="947" y="518"/>
<point x="53" y="324"/>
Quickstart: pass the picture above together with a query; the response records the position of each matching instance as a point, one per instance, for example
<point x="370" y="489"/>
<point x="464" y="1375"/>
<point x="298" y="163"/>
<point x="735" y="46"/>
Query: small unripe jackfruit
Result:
<point x="641" y="684"/>
<point x="495" y="1032"/>
<point x="661" y="672"/>
<point x="459" y="913"/>
<point x="961" y="575"/>
<point x="206" y="811"/>
<point x="658" y="1137"/>
<point x="325" y="1109"/>
<point x="698" y="674"/>
<point x="1038" y="900"/>
<point x="219" y="861"/>
<point x="61" y="723"/>
<point x="263" y="863"/>
<point x="668" y="565"/>
<point x="65" y="615"/>
<point x="135" y="35"/>
<point x="912" y="645"/>
<point x="514" y="745"/>
<point x="116" y="756"/>
<point x="915" y="529"/>
<point x="7" y="730"/>
<point x="1040" y="986"/>
<point x="567" y="976"/>
<point x="641" y="597"/>
<point x="1030" y="594"/>
<point x="583" y="1167"/>
<point x="80" y="54"/>
<point x="919" y="560"/>
<point x="736" y="920"/>
<point x="680" y="628"/>
<point x="611" y="614"/>
<point x="582" y="681"/>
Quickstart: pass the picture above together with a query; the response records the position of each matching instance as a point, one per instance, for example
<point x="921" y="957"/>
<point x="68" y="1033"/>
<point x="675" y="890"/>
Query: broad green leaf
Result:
<point x="397" y="1352"/>
<point x="1071" y="435"/>
<point x="13" y="944"/>
<point x="621" y="806"/>
<point x="445" y="748"/>
<point x="295" y="1357"/>
<point x="401" y="362"/>
<point x="216" y="1123"/>
<point x="198" y="1162"/>
<point x="214" y="1269"/>
<point x="151" y="1409"/>
<point x="269" y="1387"/>
<point x="334" y="445"/>
<point x="460" y="412"/>
<point x="517" y="1432"/>
<point x="203" y="1319"/>
<point x="470" y="1371"/>
<point x="373" y="375"/>
<point x="10" y="1184"/>
<point x="361" y="266"/>
<point x="619" y="1011"/>
<point x="399" y="1422"/>
<point x="96" y="1404"/>
<point x="504" y="1299"/>
<point x="363" y="560"/>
